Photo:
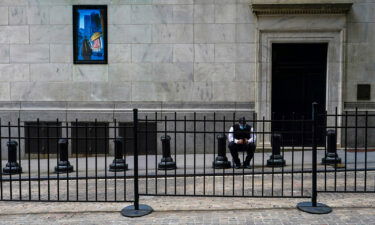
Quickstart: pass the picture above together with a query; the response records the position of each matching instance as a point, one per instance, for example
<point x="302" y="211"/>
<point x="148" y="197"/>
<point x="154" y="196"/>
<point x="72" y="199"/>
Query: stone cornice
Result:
<point x="304" y="8"/>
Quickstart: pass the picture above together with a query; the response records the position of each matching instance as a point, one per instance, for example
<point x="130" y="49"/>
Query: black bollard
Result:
<point x="331" y="156"/>
<point x="118" y="163"/>
<point x="276" y="159"/>
<point x="63" y="166"/>
<point x="167" y="161"/>
<point x="221" y="160"/>
<point x="12" y="167"/>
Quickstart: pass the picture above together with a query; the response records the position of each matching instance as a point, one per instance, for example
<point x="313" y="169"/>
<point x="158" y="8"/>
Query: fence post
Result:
<point x="136" y="210"/>
<point x="314" y="207"/>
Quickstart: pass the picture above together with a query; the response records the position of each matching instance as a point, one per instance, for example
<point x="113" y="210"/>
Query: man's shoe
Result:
<point x="247" y="166"/>
<point x="237" y="165"/>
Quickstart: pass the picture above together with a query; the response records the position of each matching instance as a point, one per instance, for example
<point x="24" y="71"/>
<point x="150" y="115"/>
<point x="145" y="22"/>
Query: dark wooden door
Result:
<point x="298" y="80"/>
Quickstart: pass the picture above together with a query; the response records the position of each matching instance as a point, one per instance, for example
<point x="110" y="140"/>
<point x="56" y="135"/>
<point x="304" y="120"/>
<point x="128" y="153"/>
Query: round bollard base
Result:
<point x="320" y="208"/>
<point x="118" y="166"/>
<point x="276" y="162"/>
<point x="63" y="168"/>
<point x="167" y="166"/>
<point x="130" y="211"/>
<point x="331" y="160"/>
<point x="218" y="164"/>
<point x="12" y="170"/>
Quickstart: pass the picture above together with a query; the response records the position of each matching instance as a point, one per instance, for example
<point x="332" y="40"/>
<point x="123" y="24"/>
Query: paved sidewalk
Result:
<point x="347" y="209"/>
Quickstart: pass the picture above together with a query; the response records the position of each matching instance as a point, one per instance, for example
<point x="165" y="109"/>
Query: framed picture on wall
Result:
<point x="90" y="34"/>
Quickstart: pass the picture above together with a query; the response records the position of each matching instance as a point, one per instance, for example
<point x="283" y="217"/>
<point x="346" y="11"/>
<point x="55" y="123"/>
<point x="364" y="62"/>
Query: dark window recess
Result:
<point x="363" y="92"/>
<point x="90" y="139"/>
<point x="45" y="140"/>
<point x="146" y="138"/>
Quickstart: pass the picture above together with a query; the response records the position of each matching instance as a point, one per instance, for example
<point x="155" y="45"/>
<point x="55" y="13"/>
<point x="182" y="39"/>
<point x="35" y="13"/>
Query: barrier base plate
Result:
<point x="130" y="211"/>
<point x="318" y="209"/>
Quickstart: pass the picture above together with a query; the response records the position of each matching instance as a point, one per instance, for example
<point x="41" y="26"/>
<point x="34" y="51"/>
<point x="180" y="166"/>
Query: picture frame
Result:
<point x="90" y="42"/>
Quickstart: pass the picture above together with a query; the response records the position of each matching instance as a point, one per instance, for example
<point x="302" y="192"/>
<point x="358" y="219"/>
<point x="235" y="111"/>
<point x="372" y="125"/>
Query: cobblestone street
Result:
<point x="347" y="209"/>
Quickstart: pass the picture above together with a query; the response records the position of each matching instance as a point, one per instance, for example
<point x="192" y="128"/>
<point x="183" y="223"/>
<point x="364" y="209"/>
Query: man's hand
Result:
<point x="240" y="141"/>
<point x="245" y="141"/>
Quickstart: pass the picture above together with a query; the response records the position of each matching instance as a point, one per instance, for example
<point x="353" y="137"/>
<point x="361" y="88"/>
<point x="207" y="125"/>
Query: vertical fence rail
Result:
<point x="355" y="148"/>
<point x="19" y="156"/>
<point x="314" y="156"/>
<point x="1" y="161"/>
<point x="147" y="154"/>
<point x="365" y="140"/>
<point x="175" y="151"/>
<point x="10" y="174"/>
<point x="346" y="149"/>
<point x="313" y="206"/>
<point x="135" y="142"/>
<point x="136" y="210"/>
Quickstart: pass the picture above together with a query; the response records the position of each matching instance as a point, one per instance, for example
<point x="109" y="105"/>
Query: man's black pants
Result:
<point x="248" y="148"/>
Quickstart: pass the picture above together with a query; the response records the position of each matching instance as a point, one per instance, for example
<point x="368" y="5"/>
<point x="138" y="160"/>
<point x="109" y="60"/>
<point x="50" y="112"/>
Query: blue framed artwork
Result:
<point x="90" y="34"/>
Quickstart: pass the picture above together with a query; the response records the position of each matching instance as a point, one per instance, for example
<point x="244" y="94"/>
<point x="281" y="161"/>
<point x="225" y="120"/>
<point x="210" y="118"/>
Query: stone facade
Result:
<point x="180" y="51"/>
<point x="203" y="55"/>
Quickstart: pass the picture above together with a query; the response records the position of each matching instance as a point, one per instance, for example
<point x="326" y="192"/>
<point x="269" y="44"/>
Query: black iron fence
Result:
<point x="193" y="160"/>
<point x="64" y="162"/>
<point x="186" y="154"/>
<point x="353" y="161"/>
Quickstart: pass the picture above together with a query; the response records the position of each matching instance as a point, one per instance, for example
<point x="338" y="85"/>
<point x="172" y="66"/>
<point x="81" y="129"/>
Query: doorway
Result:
<point x="298" y="80"/>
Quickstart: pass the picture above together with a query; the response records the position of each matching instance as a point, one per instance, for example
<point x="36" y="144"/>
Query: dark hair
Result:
<point x="242" y="121"/>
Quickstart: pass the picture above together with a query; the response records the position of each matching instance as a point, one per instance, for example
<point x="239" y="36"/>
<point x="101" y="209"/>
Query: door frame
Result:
<point x="334" y="74"/>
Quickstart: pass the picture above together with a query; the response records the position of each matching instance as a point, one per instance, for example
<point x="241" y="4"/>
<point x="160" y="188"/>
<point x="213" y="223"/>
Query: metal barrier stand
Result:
<point x="136" y="210"/>
<point x="314" y="207"/>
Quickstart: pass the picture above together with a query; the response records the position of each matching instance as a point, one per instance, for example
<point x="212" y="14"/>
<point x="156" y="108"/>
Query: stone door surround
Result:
<point x="301" y="23"/>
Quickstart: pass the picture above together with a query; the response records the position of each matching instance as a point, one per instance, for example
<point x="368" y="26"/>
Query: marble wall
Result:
<point x="186" y="51"/>
<point x="360" y="50"/>
<point x="159" y="50"/>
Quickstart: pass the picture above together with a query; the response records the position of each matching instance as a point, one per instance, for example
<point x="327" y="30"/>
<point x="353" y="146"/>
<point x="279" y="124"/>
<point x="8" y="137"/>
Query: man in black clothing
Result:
<point x="242" y="138"/>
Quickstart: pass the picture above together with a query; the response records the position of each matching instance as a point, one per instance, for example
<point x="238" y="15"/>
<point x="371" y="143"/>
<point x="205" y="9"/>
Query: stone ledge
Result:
<point x="305" y="8"/>
<point x="359" y="105"/>
<point x="114" y="106"/>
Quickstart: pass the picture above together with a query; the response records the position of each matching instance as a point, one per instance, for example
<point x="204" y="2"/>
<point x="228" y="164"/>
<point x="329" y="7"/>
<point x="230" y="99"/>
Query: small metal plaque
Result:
<point x="363" y="92"/>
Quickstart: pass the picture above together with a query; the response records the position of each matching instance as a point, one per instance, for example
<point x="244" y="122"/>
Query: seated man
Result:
<point x="242" y="138"/>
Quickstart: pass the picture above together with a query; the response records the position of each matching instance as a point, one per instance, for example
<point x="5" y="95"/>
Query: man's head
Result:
<point x="242" y="122"/>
